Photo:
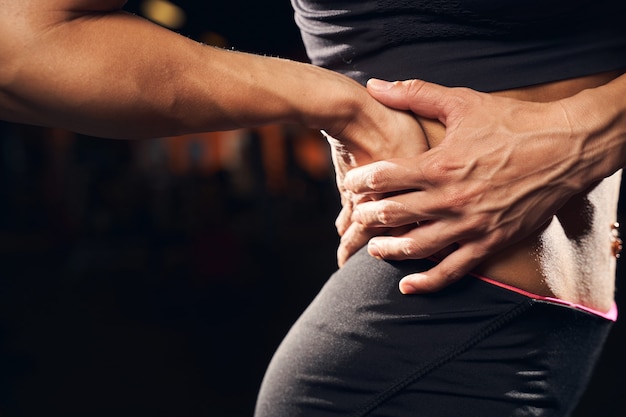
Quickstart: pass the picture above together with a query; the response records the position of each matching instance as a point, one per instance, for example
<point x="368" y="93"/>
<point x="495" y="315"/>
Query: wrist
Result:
<point x="334" y="102"/>
<point x="344" y="110"/>
<point x="597" y="118"/>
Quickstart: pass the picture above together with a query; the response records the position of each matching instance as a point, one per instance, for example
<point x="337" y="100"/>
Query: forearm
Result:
<point x="116" y="75"/>
<point x="597" y="119"/>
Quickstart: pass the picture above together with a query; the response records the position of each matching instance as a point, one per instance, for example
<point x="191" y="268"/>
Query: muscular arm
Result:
<point x="597" y="118"/>
<point x="90" y="67"/>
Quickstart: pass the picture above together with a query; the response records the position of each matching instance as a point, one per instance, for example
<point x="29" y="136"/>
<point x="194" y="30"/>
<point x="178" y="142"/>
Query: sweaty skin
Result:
<point x="569" y="257"/>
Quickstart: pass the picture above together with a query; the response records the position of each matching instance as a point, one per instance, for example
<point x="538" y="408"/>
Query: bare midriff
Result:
<point x="572" y="257"/>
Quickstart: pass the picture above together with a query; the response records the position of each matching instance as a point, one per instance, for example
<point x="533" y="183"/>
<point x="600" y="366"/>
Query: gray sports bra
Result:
<point x="484" y="44"/>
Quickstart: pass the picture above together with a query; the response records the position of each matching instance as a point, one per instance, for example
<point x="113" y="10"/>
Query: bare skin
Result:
<point x="89" y="67"/>
<point x="480" y="196"/>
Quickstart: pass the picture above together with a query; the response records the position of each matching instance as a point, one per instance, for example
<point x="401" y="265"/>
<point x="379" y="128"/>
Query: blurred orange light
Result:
<point x="164" y="13"/>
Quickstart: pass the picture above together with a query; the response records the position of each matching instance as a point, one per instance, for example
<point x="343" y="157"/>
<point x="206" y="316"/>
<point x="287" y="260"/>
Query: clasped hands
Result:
<point x="498" y="172"/>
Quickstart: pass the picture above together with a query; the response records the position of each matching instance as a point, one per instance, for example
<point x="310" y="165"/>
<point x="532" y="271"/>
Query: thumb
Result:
<point x="452" y="268"/>
<point x="422" y="98"/>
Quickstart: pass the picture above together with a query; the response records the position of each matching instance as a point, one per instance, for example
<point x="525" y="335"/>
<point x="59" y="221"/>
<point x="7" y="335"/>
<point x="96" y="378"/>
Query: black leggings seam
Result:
<point x="452" y="353"/>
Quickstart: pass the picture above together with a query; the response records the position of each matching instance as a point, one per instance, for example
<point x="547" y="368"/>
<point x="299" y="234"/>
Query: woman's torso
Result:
<point x="499" y="47"/>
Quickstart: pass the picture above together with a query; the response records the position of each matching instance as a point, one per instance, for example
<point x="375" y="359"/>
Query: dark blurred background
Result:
<point x="157" y="277"/>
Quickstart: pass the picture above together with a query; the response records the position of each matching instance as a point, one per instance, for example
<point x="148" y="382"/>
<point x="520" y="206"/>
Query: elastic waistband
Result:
<point x="609" y="315"/>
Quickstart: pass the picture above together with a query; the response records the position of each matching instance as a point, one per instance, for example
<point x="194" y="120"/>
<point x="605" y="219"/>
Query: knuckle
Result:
<point x="413" y="88"/>
<point x="451" y="275"/>
<point x="462" y="199"/>
<point x="339" y="226"/>
<point x="362" y="198"/>
<point x="410" y="248"/>
<point x="385" y="214"/>
<point x="451" y="272"/>
<point x="494" y="240"/>
<point x="461" y="97"/>
<point x="475" y="224"/>
<point x="455" y="101"/>
<point x="436" y="169"/>
<point x="377" y="179"/>
<point x="347" y="236"/>
<point x="455" y="202"/>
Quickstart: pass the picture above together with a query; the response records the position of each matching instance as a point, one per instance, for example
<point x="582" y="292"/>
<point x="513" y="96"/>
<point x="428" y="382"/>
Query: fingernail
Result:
<point x="408" y="284"/>
<point x="378" y="85"/>
<point x="373" y="250"/>
<point x="341" y="256"/>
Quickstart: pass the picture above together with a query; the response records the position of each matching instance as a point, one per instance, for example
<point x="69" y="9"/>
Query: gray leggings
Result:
<point x="472" y="350"/>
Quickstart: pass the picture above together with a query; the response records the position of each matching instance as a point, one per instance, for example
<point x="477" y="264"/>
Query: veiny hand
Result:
<point x="502" y="170"/>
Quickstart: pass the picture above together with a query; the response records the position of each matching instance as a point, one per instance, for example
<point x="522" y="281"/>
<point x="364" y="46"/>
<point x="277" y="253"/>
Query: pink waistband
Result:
<point x="609" y="315"/>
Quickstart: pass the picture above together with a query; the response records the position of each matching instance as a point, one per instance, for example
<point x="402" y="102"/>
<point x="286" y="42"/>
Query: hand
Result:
<point x="353" y="235"/>
<point x="395" y="134"/>
<point x="503" y="168"/>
